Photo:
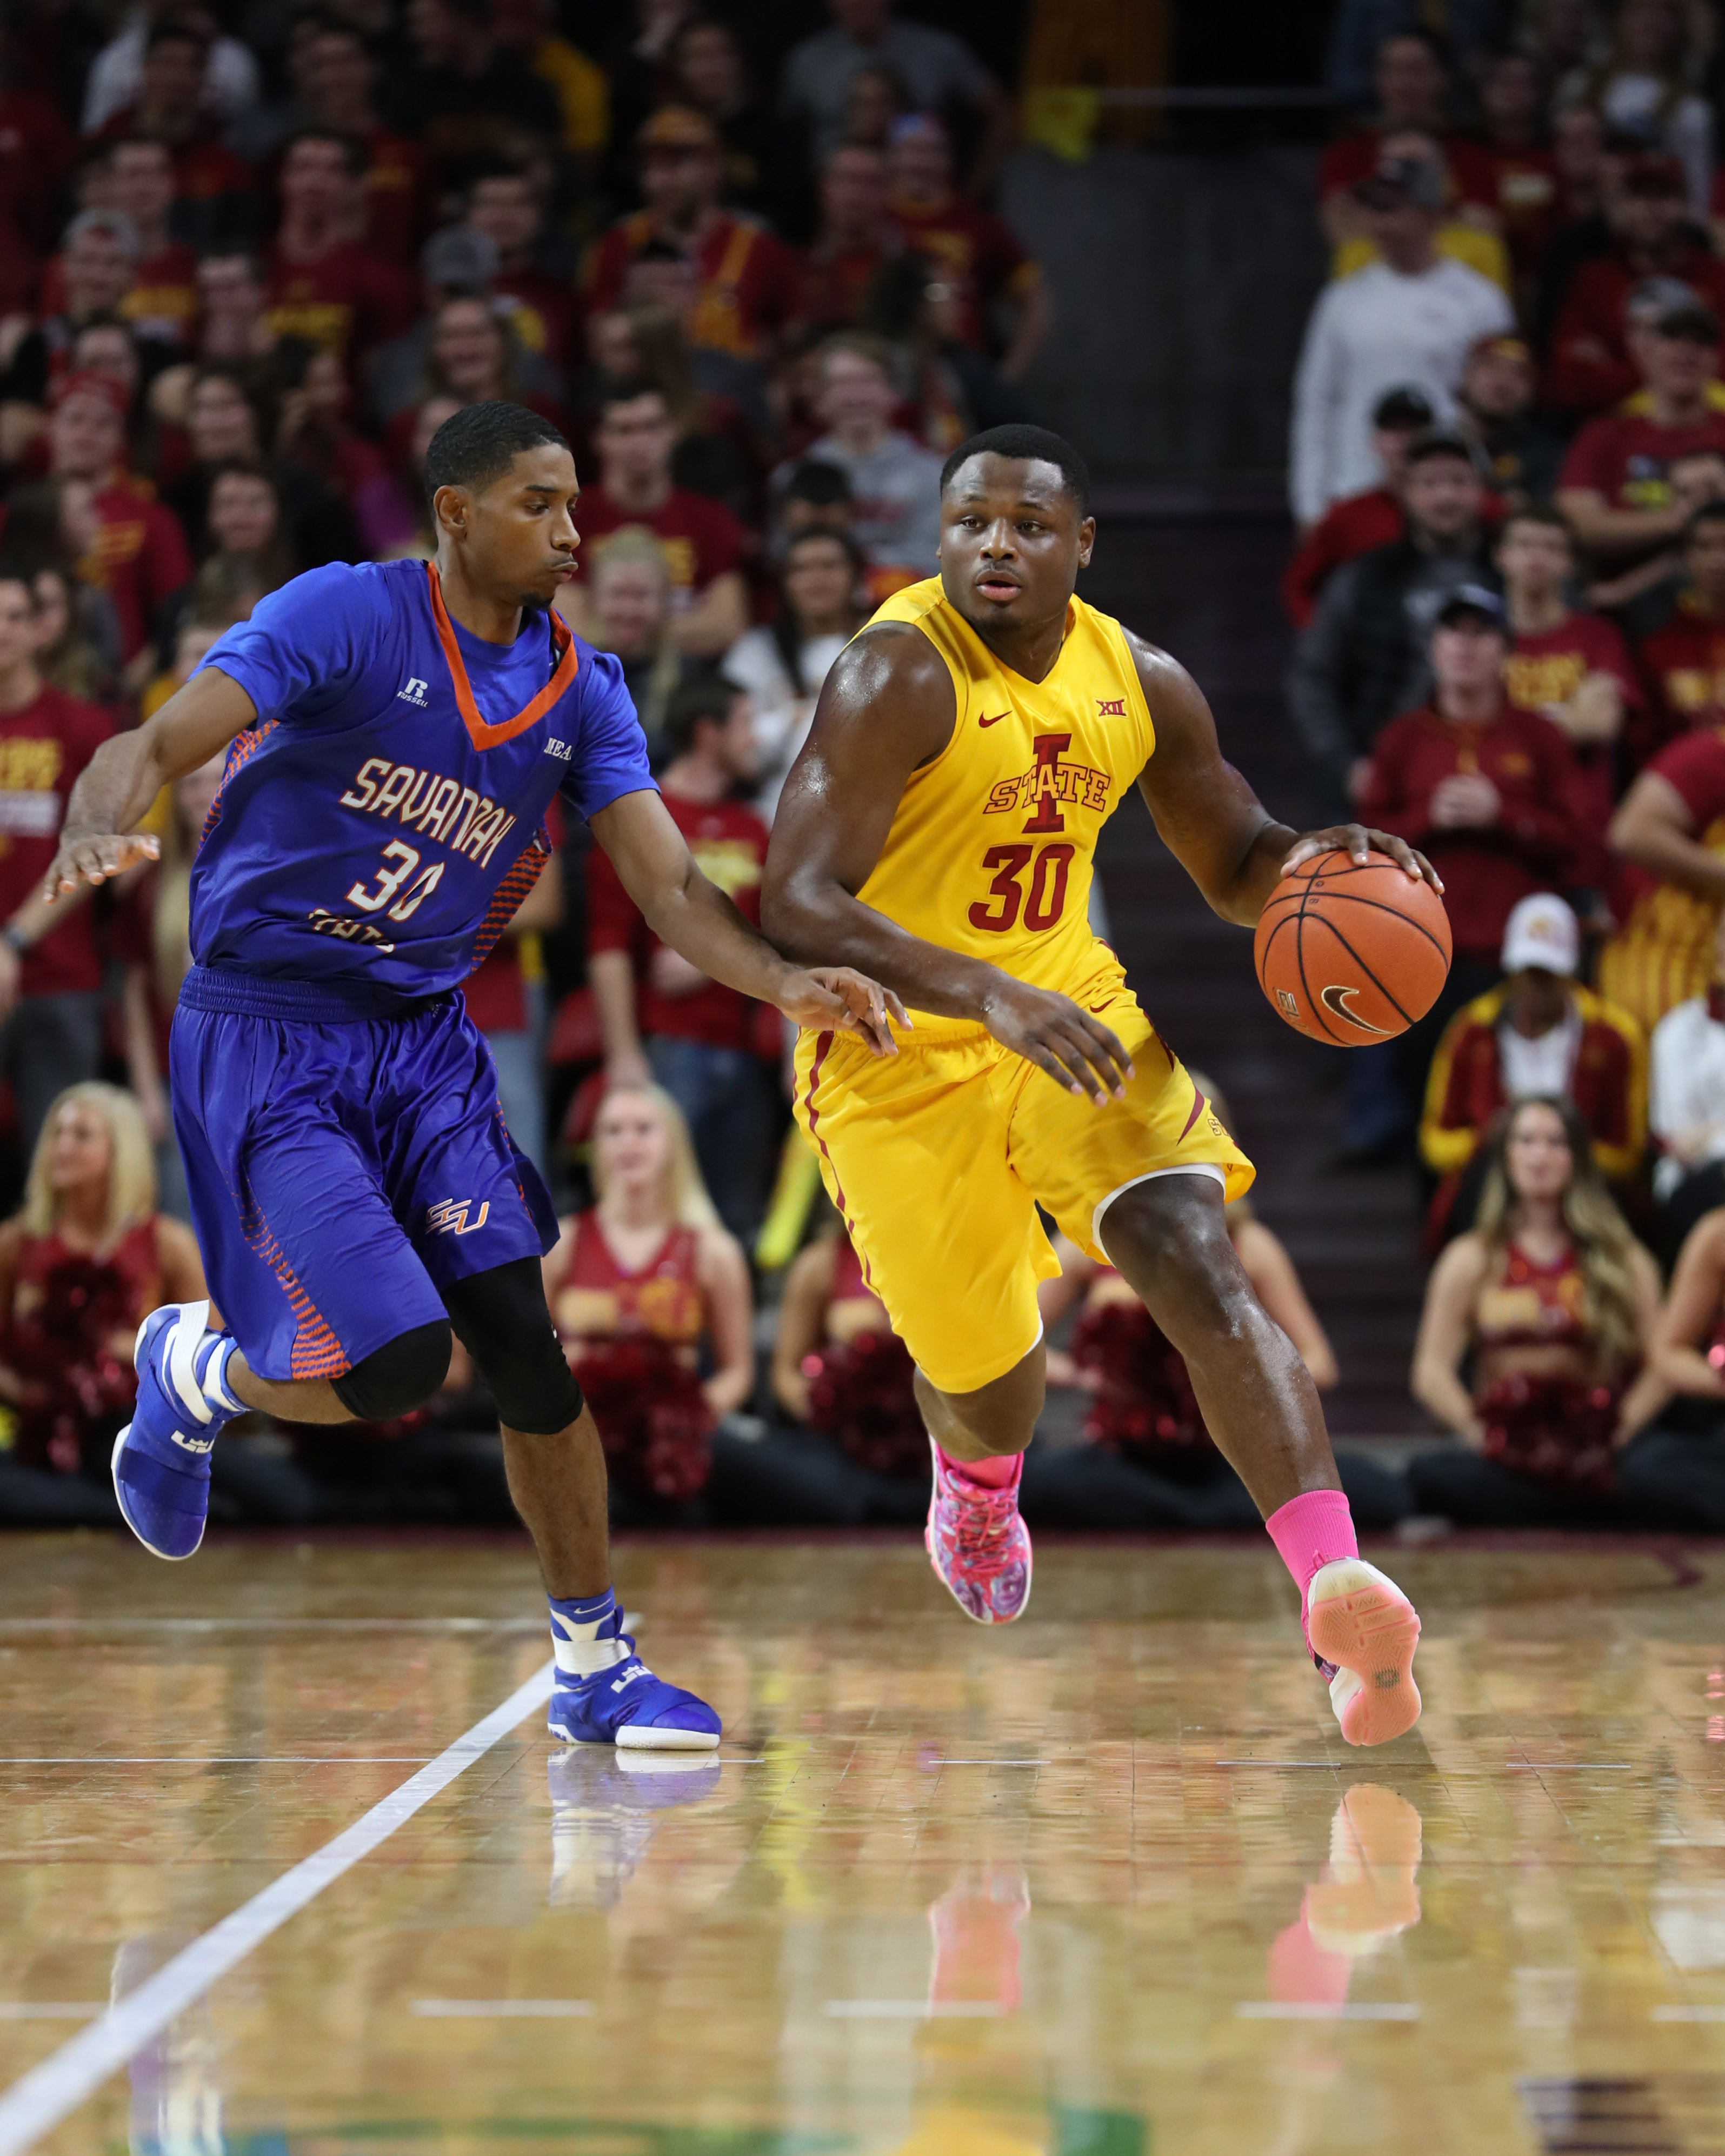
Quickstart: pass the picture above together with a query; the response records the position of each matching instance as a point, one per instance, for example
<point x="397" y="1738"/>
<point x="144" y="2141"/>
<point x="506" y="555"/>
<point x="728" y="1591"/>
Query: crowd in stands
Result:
<point x="1507" y="477"/>
<point x="244" y="278"/>
<point x="250" y="260"/>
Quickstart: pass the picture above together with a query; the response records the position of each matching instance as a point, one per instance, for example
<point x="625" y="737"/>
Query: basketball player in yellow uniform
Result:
<point x="938" y="832"/>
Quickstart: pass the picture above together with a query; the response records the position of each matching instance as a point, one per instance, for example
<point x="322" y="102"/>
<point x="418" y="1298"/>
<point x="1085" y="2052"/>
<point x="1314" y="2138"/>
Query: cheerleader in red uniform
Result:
<point x="855" y="1452"/>
<point x="1550" y="1306"/>
<point x="81" y="1265"/>
<point x="644" y="1287"/>
<point x="1674" y="1475"/>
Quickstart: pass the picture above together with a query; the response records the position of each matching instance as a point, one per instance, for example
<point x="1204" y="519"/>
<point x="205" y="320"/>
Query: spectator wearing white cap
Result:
<point x="1538" y="1034"/>
<point x="1687" y="1109"/>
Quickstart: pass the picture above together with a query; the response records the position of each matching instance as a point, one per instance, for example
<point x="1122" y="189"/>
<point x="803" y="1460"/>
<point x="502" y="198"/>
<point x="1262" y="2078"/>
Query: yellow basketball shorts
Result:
<point x="939" y="1157"/>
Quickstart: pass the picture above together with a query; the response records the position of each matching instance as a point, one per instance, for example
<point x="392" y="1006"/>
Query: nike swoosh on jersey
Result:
<point x="995" y="721"/>
<point x="1335" y="1001"/>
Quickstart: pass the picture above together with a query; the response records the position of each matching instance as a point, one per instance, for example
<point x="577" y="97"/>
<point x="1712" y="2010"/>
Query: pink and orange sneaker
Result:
<point x="978" y="1546"/>
<point x="1364" y="1630"/>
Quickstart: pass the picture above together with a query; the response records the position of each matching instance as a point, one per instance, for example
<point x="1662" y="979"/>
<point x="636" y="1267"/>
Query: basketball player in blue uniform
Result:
<point x="395" y="734"/>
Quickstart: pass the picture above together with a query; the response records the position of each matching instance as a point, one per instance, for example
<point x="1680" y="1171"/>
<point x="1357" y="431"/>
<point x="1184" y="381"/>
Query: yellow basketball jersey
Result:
<point x="992" y="848"/>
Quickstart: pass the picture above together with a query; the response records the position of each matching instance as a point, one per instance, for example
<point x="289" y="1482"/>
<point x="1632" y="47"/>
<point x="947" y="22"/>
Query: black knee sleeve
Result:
<point x="503" y="1323"/>
<point x="398" y="1376"/>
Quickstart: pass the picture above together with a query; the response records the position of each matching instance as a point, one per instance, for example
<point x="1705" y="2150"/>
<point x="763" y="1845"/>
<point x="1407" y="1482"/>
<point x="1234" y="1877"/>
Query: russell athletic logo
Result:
<point x="449" y="1217"/>
<point x="414" y="693"/>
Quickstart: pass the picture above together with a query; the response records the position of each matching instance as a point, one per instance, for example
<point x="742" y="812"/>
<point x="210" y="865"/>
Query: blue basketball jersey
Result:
<point x="381" y="822"/>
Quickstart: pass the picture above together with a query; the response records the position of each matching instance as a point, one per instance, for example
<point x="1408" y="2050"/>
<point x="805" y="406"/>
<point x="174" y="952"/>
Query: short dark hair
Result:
<point x="1542" y="513"/>
<point x="821" y="484"/>
<point x="1038" y="444"/>
<point x="707" y="699"/>
<point x="629" y="389"/>
<point x="175" y="30"/>
<point x="479" y="443"/>
<point x="353" y="154"/>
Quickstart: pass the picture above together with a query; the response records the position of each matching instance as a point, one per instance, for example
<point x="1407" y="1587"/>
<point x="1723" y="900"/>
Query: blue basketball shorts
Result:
<point x="342" y="1170"/>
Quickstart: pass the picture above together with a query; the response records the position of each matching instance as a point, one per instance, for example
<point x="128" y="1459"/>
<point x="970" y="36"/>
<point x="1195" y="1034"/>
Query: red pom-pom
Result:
<point x="654" y="1419"/>
<point x="1145" y="1401"/>
<point x="1557" y="1430"/>
<point x="861" y="1391"/>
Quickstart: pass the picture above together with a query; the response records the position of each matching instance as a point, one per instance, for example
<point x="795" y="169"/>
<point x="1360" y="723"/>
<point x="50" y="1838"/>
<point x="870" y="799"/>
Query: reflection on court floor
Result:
<point x="1104" y="1884"/>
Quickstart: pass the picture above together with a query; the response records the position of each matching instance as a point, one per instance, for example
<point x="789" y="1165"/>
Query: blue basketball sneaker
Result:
<point x="617" y="1700"/>
<point x="161" y="1457"/>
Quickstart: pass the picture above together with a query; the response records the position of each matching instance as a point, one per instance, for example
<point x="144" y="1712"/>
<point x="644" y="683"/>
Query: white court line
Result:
<point x="214" y="1759"/>
<point x="51" y="2010"/>
<point x="37" y="2102"/>
<point x="1320" y="2009"/>
<point x="1688" y="2013"/>
<point x="932" y="1764"/>
<point x="501" y="2009"/>
<point x="913" y="2009"/>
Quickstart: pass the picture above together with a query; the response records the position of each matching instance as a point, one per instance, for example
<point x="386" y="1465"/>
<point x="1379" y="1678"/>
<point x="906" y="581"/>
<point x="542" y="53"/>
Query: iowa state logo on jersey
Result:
<point x="1049" y="783"/>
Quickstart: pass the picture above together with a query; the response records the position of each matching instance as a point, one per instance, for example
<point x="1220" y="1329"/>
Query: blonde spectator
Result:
<point x="637" y="1284"/>
<point x="631" y="617"/>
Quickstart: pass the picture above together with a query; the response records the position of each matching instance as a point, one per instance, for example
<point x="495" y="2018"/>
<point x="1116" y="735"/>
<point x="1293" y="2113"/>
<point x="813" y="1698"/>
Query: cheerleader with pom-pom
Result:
<point x="1550" y="1306"/>
<point x="643" y="1287"/>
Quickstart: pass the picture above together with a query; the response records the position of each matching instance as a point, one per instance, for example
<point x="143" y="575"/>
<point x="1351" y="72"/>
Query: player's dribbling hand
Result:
<point x="1060" y="1037"/>
<point x="1357" y="841"/>
<point x="834" y="998"/>
<point x="94" y="860"/>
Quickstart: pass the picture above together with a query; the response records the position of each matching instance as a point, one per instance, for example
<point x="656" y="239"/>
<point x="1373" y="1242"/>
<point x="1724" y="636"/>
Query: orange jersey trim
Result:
<point x="482" y="733"/>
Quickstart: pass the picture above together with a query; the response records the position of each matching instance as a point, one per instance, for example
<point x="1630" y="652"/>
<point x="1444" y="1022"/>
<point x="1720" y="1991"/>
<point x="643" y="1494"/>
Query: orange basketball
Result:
<point x="1352" y="952"/>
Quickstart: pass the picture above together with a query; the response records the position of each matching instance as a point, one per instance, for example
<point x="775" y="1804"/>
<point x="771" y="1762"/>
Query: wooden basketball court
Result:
<point x="289" y="1865"/>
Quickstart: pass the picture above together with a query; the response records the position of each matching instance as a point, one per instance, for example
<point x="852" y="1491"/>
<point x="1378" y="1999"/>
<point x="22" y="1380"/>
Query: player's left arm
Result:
<point x="686" y="910"/>
<point x="1209" y="819"/>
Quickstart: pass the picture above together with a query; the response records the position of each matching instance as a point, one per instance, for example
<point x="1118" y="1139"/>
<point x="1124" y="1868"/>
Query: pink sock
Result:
<point x="1310" y="1530"/>
<point x="993" y="1474"/>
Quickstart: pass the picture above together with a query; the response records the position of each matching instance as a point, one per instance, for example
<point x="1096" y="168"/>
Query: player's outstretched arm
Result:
<point x="1210" y="820"/>
<point x="886" y="707"/>
<point x="122" y="779"/>
<point x="686" y="910"/>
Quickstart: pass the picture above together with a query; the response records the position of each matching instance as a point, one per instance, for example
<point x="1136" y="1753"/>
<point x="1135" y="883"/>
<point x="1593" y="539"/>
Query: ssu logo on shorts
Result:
<point x="449" y="1217"/>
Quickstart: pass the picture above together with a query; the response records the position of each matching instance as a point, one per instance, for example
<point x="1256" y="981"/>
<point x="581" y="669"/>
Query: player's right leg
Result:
<point x="913" y="1152"/>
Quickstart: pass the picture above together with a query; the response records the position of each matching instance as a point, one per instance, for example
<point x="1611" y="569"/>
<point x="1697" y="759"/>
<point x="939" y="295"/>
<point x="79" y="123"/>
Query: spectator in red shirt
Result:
<point x="855" y="241"/>
<point x="212" y="186"/>
<point x="1683" y="660"/>
<point x="975" y="252"/>
<point x="231" y="299"/>
<point x="1593" y="361"/>
<point x="1359" y="521"/>
<point x="1573" y="668"/>
<point x="658" y="1018"/>
<point x="1526" y="195"/>
<point x="50" y="967"/>
<point x="313" y="437"/>
<point x="1615" y="485"/>
<point x="504" y="203"/>
<point x="136" y="551"/>
<point x="136" y="177"/>
<point x="36" y="153"/>
<point x="471" y="355"/>
<point x="322" y="285"/>
<point x="1485" y="790"/>
<point x="701" y="540"/>
<point x="1413" y="90"/>
<point x="399" y="192"/>
<point x="96" y="265"/>
<point x="745" y="281"/>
